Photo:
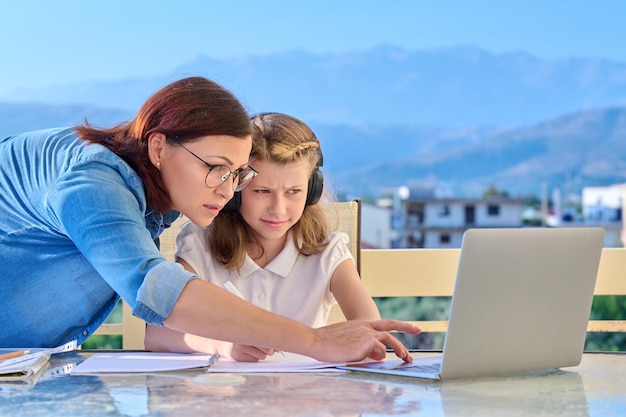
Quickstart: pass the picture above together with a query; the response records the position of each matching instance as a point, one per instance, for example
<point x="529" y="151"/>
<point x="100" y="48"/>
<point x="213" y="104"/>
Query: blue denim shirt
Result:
<point x="75" y="235"/>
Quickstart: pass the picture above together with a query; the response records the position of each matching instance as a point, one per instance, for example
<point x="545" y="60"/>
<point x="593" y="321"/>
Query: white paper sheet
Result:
<point x="289" y="362"/>
<point x="122" y="362"/>
<point x="129" y="362"/>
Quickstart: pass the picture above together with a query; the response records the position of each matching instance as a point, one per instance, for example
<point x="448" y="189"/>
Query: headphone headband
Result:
<point x="315" y="186"/>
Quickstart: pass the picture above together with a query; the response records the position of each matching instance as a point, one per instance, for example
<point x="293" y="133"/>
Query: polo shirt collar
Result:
<point x="281" y="265"/>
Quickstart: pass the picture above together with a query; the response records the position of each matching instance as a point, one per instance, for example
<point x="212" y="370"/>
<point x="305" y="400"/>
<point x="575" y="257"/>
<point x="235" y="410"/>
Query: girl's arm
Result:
<point x="351" y="295"/>
<point x="163" y="339"/>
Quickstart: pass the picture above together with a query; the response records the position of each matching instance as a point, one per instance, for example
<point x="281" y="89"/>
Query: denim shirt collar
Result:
<point x="157" y="222"/>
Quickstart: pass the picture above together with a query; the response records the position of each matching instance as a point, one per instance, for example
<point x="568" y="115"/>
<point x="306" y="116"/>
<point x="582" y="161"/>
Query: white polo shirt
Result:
<point x="291" y="285"/>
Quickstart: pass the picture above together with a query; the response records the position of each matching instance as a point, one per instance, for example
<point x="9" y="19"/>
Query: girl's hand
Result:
<point x="246" y="353"/>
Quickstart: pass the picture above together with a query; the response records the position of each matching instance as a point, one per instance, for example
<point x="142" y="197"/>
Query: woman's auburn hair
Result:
<point x="280" y="139"/>
<point x="185" y="109"/>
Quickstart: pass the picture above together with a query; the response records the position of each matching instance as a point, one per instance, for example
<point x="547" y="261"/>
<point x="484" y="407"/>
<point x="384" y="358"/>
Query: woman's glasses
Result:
<point x="218" y="174"/>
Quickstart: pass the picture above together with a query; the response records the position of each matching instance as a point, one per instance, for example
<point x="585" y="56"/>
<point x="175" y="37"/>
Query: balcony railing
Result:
<point x="421" y="273"/>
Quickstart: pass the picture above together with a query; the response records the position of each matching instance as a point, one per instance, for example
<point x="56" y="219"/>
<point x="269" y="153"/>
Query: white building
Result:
<point x="426" y="221"/>
<point x="603" y="207"/>
<point x="603" y="204"/>
<point x="376" y="231"/>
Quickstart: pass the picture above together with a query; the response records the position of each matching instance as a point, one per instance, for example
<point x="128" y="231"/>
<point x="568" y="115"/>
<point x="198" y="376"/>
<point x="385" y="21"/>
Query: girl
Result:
<point x="272" y="243"/>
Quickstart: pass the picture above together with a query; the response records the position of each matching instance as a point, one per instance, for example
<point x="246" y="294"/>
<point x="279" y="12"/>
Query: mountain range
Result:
<point x="461" y="118"/>
<point x="568" y="152"/>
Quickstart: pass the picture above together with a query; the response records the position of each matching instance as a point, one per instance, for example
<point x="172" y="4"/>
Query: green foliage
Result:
<point x="605" y="342"/>
<point x="532" y="222"/>
<point x="607" y="307"/>
<point x="493" y="191"/>
<point x="437" y="309"/>
<point x="413" y="309"/>
<point x="103" y="341"/>
<point x="116" y="314"/>
<point x="106" y="341"/>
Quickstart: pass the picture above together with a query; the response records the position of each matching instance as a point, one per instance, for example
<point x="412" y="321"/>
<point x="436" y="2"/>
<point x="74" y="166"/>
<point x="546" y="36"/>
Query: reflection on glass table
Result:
<point x="597" y="387"/>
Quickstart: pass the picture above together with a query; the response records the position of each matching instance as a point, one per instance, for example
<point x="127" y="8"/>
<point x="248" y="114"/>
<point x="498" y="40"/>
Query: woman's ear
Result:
<point x="156" y="143"/>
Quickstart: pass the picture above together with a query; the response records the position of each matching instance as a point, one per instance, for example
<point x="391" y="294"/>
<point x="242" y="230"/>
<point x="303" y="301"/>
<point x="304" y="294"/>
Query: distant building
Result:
<point x="603" y="207"/>
<point x="603" y="204"/>
<point x="423" y="220"/>
<point x="418" y="218"/>
<point x="376" y="231"/>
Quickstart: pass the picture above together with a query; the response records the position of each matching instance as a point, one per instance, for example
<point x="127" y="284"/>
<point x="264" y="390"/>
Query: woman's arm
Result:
<point x="162" y="339"/>
<point x="351" y="295"/>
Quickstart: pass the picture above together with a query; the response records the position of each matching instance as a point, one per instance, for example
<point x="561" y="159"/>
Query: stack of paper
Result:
<point x="23" y="369"/>
<point x="24" y="364"/>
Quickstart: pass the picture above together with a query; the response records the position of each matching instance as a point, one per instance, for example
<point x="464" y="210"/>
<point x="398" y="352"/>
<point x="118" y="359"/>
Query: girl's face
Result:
<point x="184" y="175"/>
<point x="274" y="200"/>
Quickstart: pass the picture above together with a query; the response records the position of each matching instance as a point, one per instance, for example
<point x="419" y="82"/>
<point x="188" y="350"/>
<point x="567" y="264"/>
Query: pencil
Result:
<point x="15" y="354"/>
<point x="214" y="358"/>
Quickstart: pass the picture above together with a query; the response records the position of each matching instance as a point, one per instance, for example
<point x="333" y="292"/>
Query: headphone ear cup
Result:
<point x="316" y="186"/>
<point x="234" y="203"/>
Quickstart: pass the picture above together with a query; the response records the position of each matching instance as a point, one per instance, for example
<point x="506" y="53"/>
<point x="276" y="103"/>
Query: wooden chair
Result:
<point x="431" y="273"/>
<point x="345" y="217"/>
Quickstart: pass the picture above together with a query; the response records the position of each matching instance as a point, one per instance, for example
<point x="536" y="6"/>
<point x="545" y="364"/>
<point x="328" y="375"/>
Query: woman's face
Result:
<point x="184" y="175"/>
<point x="275" y="199"/>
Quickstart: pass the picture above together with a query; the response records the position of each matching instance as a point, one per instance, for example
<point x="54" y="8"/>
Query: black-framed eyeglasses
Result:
<point x="218" y="174"/>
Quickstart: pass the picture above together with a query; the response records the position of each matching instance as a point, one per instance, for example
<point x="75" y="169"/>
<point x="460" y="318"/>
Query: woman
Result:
<point x="83" y="207"/>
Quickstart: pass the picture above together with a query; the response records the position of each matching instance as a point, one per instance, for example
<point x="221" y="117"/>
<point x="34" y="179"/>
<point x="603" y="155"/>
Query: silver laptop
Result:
<point x="521" y="302"/>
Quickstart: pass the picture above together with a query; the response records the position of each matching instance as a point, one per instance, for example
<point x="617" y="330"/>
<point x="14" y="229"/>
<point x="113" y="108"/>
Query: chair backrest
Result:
<point x="167" y="240"/>
<point x="345" y="216"/>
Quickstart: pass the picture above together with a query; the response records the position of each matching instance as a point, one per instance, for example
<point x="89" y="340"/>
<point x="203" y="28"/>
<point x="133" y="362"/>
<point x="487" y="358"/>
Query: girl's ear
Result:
<point x="156" y="143"/>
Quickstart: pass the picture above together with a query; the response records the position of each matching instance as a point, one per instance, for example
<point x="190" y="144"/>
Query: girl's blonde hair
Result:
<point x="281" y="139"/>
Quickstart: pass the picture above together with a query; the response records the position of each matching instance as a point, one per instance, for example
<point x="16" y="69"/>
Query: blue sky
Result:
<point x="56" y="42"/>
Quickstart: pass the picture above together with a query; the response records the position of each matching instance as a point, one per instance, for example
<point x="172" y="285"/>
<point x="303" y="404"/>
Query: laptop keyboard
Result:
<point x="422" y="367"/>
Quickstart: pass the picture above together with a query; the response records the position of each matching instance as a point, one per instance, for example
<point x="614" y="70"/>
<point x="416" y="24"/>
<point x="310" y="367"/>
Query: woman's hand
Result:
<point x="356" y="340"/>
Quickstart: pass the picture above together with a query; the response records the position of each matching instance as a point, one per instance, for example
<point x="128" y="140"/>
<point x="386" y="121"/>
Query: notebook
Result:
<point x="521" y="302"/>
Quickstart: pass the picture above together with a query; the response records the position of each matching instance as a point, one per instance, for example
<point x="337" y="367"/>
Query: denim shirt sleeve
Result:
<point x="99" y="204"/>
